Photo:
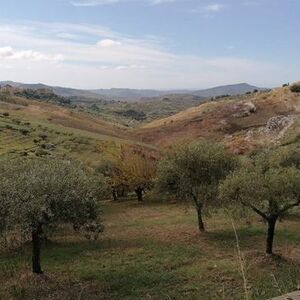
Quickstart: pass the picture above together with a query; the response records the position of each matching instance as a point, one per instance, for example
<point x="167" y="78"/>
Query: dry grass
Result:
<point x="216" y="120"/>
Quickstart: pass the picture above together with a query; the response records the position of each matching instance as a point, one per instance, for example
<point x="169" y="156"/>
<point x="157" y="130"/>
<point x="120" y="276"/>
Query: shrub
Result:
<point x="24" y="131"/>
<point x="295" y="88"/>
<point x="43" y="136"/>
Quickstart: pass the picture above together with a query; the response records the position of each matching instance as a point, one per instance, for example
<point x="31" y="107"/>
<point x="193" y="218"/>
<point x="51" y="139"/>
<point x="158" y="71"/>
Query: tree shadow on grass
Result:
<point x="251" y="237"/>
<point x="226" y="239"/>
<point x="58" y="253"/>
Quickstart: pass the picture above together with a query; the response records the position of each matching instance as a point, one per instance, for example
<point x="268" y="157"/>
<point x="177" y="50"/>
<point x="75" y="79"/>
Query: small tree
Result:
<point x="268" y="184"/>
<point x="37" y="193"/>
<point x="139" y="172"/>
<point x="193" y="172"/>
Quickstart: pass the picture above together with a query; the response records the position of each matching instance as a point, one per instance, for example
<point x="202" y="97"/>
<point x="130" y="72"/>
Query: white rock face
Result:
<point x="279" y="123"/>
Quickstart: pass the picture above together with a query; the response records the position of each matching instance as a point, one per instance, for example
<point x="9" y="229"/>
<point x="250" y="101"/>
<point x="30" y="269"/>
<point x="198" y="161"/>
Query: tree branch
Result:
<point x="263" y="215"/>
<point x="289" y="206"/>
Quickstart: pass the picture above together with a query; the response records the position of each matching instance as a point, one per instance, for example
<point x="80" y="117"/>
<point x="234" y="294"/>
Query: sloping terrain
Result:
<point x="134" y="95"/>
<point x="132" y="114"/>
<point x="243" y="122"/>
<point x="232" y="90"/>
<point x="129" y="114"/>
<point x="31" y="127"/>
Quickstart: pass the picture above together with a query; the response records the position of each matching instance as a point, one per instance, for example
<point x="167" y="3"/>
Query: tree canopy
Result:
<point x="36" y="193"/>
<point x="268" y="184"/>
<point x="193" y="171"/>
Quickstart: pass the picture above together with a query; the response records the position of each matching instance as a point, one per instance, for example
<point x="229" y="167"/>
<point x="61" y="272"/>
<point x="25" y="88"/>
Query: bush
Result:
<point x="295" y="88"/>
<point x="24" y="131"/>
<point x="43" y="136"/>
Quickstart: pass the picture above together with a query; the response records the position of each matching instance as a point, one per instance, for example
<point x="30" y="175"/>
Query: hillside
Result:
<point x="242" y="122"/>
<point x="61" y="91"/>
<point x="232" y="90"/>
<point x="134" y="95"/>
<point x="133" y="114"/>
<point x="36" y="127"/>
<point x="129" y="114"/>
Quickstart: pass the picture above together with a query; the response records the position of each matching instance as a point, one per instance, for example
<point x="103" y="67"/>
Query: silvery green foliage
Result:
<point x="193" y="171"/>
<point x="42" y="192"/>
<point x="268" y="183"/>
<point x="92" y="230"/>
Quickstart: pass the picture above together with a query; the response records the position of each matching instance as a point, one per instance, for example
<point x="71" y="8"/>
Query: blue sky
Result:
<point x="164" y="44"/>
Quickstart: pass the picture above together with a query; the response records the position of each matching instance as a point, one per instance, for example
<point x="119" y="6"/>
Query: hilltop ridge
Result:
<point x="132" y="95"/>
<point x="242" y="122"/>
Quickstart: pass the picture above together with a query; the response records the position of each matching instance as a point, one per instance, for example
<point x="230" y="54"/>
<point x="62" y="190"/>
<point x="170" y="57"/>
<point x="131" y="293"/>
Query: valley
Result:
<point x="150" y="248"/>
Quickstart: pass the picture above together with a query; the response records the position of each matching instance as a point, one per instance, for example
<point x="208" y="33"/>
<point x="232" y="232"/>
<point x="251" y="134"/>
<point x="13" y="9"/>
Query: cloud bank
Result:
<point x="60" y="54"/>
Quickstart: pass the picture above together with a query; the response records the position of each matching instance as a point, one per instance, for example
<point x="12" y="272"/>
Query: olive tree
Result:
<point x="193" y="171"/>
<point x="268" y="184"/>
<point x="38" y="193"/>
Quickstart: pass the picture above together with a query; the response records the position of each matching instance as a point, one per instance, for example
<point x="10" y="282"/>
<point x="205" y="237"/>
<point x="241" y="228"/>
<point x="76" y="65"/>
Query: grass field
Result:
<point x="46" y="130"/>
<point x="153" y="251"/>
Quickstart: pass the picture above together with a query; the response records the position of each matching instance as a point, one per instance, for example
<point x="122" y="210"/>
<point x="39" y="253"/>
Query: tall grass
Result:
<point x="241" y="261"/>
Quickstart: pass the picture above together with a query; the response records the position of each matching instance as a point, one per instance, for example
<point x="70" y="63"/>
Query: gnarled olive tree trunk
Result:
<point x="36" y="249"/>
<point x="139" y="194"/>
<point x="271" y="232"/>
<point x="199" y="208"/>
<point x="200" y="219"/>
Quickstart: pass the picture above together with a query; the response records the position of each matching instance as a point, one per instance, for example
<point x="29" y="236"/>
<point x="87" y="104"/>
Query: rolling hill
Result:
<point x="133" y="95"/>
<point x="37" y="127"/>
<point x="232" y="90"/>
<point x="242" y="122"/>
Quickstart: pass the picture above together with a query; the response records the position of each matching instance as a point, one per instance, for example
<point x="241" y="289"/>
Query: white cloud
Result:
<point x="92" y="3"/>
<point x="122" y="62"/>
<point x="9" y="53"/>
<point x="155" y="2"/>
<point x="107" y="43"/>
<point x="208" y="9"/>
<point x="214" y="7"/>
<point x="133" y="66"/>
<point x="6" y="52"/>
<point x="121" y="67"/>
<point x="65" y="35"/>
<point x="87" y="3"/>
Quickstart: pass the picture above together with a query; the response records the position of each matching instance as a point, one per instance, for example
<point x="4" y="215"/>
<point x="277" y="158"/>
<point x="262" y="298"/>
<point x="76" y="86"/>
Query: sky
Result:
<point x="161" y="44"/>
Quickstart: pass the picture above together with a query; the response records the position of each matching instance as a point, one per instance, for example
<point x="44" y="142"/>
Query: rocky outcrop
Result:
<point x="243" y="109"/>
<point x="279" y="122"/>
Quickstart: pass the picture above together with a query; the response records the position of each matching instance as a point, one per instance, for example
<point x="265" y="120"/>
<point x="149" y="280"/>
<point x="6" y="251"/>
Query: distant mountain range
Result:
<point x="136" y="94"/>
